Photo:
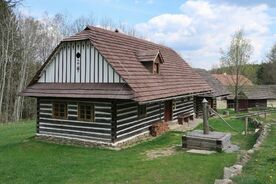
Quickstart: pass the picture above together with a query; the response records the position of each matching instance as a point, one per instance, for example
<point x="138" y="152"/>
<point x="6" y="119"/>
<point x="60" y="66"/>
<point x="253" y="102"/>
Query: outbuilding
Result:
<point x="217" y="99"/>
<point x="259" y="96"/>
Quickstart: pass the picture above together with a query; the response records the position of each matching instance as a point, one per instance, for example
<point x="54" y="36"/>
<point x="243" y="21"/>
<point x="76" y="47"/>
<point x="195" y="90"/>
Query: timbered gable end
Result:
<point x="78" y="62"/>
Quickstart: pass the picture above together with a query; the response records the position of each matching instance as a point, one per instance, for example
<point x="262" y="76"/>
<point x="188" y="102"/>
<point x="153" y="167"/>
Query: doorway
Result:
<point x="168" y="111"/>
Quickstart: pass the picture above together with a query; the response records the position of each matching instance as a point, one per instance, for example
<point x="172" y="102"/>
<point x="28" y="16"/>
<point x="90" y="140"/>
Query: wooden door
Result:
<point x="168" y="111"/>
<point x="243" y="105"/>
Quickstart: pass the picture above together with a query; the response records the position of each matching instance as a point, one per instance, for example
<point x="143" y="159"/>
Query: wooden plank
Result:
<point x="37" y="115"/>
<point x="74" y="132"/>
<point x="143" y="124"/>
<point x="75" y="122"/>
<point x="135" y="118"/>
<point x="77" y="127"/>
<point x="114" y="122"/>
<point x="130" y="134"/>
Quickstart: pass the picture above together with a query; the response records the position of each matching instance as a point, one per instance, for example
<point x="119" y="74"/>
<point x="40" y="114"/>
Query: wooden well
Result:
<point x="217" y="141"/>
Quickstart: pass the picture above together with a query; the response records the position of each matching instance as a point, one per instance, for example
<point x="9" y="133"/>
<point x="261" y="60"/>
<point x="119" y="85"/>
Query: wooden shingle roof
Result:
<point x="218" y="88"/>
<point x="228" y="80"/>
<point x="176" y="76"/>
<point x="148" y="55"/>
<point x="79" y="90"/>
<point x="257" y="92"/>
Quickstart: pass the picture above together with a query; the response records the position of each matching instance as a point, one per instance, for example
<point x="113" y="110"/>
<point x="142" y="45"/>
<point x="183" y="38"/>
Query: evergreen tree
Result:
<point x="266" y="73"/>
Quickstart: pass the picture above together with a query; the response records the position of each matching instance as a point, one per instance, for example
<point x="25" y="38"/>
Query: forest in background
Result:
<point x="259" y="74"/>
<point x="25" y="43"/>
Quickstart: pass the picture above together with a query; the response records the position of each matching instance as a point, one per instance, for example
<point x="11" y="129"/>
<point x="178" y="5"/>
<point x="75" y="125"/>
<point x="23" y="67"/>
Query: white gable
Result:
<point x="78" y="62"/>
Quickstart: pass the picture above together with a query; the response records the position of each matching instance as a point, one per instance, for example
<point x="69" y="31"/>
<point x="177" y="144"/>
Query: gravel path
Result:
<point x="173" y="125"/>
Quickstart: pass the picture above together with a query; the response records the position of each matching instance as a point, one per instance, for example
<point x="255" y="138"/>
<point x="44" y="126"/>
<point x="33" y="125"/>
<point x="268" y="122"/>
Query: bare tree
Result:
<point x="8" y="39"/>
<point x="235" y="59"/>
<point x="33" y="38"/>
<point x="26" y="43"/>
<point x="80" y="23"/>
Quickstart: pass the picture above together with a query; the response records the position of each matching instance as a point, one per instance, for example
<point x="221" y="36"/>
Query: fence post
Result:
<point x="205" y="116"/>
<point x="246" y="125"/>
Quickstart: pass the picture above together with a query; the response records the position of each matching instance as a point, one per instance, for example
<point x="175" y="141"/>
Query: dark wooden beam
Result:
<point x="114" y="121"/>
<point x="37" y="115"/>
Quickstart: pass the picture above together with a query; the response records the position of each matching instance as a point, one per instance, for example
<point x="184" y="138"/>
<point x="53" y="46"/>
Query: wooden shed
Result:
<point x="254" y="96"/>
<point x="106" y="87"/>
<point x="216" y="99"/>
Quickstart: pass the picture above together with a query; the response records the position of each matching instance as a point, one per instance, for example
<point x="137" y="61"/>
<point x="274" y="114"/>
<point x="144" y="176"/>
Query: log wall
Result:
<point x="128" y="122"/>
<point x="183" y="105"/>
<point x="100" y="130"/>
<point x="114" y="120"/>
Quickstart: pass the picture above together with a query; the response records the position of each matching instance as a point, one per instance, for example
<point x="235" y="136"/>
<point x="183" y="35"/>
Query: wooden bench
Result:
<point x="185" y="117"/>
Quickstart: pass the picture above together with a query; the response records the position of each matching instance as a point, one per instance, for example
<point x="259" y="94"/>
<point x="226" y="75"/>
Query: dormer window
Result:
<point x="156" y="68"/>
<point x="151" y="59"/>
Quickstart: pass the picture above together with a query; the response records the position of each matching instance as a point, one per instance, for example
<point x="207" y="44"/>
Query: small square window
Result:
<point x="60" y="110"/>
<point x="174" y="105"/>
<point x="86" y="112"/>
<point x="142" y="111"/>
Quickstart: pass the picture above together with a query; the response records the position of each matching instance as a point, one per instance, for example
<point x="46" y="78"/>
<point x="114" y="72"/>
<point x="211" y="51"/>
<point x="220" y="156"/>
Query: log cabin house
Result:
<point x="107" y="87"/>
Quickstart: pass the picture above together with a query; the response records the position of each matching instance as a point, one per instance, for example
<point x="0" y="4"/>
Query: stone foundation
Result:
<point x="131" y="141"/>
<point x="159" y="128"/>
<point x="72" y="141"/>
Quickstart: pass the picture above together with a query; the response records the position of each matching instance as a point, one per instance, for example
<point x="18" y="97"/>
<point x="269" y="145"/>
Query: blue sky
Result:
<point x="195" y="29"/>
<point x="131" y="11"/>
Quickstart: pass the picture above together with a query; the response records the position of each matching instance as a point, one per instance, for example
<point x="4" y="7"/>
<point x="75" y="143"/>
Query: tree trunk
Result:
<point x="236" y="95"/>
<point x="3" y="85"/>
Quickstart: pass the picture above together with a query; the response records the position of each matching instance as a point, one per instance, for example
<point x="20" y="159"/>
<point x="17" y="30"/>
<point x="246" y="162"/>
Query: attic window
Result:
<point x="151" y="59"/>
<point x="156" y="69"/>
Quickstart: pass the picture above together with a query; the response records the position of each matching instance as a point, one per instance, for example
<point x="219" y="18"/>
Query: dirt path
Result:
<point x="173" y="125"/>
<point x="162" y="152"/>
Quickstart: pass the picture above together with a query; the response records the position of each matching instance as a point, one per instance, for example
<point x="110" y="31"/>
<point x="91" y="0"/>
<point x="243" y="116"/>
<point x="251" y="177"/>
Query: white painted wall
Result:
<point x="221" y="104"/>
<point x="91" y="67"/>
<point x="271" y="103"/>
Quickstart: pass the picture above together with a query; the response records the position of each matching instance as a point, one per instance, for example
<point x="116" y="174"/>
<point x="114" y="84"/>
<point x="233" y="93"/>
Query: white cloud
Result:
<point x="202" y="28"/>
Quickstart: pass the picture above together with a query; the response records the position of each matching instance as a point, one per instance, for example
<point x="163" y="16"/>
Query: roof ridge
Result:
<point x="125" y="35"/>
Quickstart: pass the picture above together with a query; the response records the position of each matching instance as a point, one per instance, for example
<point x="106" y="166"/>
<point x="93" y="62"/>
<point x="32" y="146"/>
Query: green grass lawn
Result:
<point x="261" y="169"/>
<point x="26" y="160"/>
<point x="244" y="142"/>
